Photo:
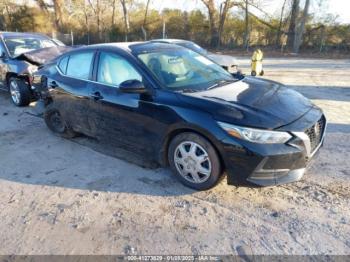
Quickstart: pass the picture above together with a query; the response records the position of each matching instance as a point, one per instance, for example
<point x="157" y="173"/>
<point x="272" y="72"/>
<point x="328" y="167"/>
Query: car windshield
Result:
<point x="20" y="45"/>
<point x="194" y="47"/>
<point x="185" y="70"/>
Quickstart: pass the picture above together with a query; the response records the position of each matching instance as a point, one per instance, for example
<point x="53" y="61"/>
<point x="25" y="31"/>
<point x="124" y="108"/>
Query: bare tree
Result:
<point x="322" y="38"/>
<point x="58" y="6"/>
<point x="279" y="30"/>
<point x="292" y="24"/>
<point x="146" y="12"/>
<point x="246" y="26"/>
<point x="216" y="21"/>
<point x="97" y="11"/>
<point x="126" y="19"/>
<point x="224" y="8"/>
<point x="42" y="5"/>
<point x="212" y="13"/>
<point x="3" y="10"/>
<point x="143" y="27"/>
<point x="6" y="8"/>
<point x="247" y="14"/>
<point x="300" y="31"/>
<point x="86" y="19"/>
<point x="186" y="26"/>
<point x="113" y="13"/>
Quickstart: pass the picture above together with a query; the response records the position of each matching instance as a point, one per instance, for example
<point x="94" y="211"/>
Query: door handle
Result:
<point x="53" y="84"/>
<point x="96" y="96"/>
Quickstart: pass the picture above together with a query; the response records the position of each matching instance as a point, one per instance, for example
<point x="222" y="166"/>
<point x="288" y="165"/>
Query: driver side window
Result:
<point x="114" y="69"/>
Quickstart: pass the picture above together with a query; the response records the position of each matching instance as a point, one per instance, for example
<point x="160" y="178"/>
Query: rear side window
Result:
<point x="62" y="65"/>
<point x="79" y="65"/>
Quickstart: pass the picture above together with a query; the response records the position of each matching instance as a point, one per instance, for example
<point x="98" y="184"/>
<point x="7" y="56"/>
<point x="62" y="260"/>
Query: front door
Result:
<point x="121" y="118"/>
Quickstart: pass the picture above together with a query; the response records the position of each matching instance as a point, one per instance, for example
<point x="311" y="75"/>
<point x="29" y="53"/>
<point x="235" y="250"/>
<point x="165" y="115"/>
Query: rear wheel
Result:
<point x="262" y="72"/>
<point x="19" y="90"/>
<point x="194" y="161"/>
<point x="56" y="123"/>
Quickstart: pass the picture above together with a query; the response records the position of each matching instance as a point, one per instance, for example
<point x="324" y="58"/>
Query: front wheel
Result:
<point x="19" y="90"/>
<point x="194" y="161"/>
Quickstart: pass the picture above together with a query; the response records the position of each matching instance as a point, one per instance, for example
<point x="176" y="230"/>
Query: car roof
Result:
<point x="130" y="47"/>
<point x="21" y="34"/>
<point x="127" y="46"/>
<point x="171" y="40"/>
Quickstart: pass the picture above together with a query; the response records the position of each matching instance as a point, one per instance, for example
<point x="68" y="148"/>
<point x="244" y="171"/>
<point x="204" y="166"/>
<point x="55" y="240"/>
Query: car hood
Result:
<point x="223" y="60"/>
<point x="251" y="102"/>
<point x="42" y="56"/>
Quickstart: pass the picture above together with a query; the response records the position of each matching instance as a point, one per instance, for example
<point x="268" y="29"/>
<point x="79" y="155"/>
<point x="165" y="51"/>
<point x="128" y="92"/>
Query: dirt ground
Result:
<point x="62" y="196"/>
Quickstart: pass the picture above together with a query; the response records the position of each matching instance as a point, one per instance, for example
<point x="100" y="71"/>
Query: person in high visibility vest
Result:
<point x="256" y="66"/>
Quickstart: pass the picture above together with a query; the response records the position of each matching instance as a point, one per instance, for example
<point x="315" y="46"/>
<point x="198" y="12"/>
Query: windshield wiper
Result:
<point x="220" y="83"/>
<point x="187" y="90"/>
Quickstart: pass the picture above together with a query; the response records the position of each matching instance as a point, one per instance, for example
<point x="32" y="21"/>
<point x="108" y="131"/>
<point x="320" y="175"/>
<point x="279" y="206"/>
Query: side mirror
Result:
<point x="132" y="86"/>
<point x="239" y="75"/>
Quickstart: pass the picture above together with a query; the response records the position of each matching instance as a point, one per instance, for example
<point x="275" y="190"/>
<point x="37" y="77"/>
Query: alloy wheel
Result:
<point x="14" y="91"/>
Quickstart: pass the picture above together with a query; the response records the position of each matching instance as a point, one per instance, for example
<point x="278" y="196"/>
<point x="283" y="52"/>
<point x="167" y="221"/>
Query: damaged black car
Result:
<point x="20" y="56"/>
<point x="183" y="110"/>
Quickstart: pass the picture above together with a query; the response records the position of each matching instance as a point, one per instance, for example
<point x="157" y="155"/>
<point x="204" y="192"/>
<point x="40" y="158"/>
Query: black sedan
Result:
<point x="181" y="109"/>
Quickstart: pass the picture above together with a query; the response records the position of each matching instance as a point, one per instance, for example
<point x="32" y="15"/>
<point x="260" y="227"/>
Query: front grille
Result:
<point x="315" y="133"/>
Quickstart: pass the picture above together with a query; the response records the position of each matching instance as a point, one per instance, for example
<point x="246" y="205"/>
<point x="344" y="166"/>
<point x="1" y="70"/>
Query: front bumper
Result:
<point x="276" y="177"/>
<point x="268" y="165"/>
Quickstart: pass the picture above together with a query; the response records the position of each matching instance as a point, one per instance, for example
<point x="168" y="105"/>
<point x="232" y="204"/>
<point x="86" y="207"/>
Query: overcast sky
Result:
<point x="339" y="8"/>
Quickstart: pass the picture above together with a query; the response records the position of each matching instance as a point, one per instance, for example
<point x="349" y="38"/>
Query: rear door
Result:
<point x="71" y="88"/>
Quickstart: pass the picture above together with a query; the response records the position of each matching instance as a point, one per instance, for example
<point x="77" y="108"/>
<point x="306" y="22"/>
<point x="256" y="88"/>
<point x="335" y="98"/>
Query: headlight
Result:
<point x="256" y="135"/>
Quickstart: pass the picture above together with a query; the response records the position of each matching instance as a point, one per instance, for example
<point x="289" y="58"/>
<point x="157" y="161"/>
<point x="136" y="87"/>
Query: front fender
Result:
<point x="199" y="123"/>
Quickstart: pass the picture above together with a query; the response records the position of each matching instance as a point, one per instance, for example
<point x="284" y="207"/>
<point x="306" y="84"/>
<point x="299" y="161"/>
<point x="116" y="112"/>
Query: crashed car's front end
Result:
<point x="22" y="54"/>
<point x="41" y="56"/>
<point x="229" y="63"/>
<point x="33" y="60"/>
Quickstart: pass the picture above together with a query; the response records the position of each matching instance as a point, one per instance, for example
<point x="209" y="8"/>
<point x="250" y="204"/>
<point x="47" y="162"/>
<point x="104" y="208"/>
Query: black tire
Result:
<point x="19" y="91"/>
<point x="216" y="169"/>
<point x="262" y="72"/>
<point x="56" y="123"/>
<point x="253" y="73"/>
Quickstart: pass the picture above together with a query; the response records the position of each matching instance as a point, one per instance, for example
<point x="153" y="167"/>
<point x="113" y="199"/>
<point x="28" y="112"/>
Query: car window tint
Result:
<point x="79" y="65"/>
<point x="114" y="69"/>
<point x="62" y="65"/>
